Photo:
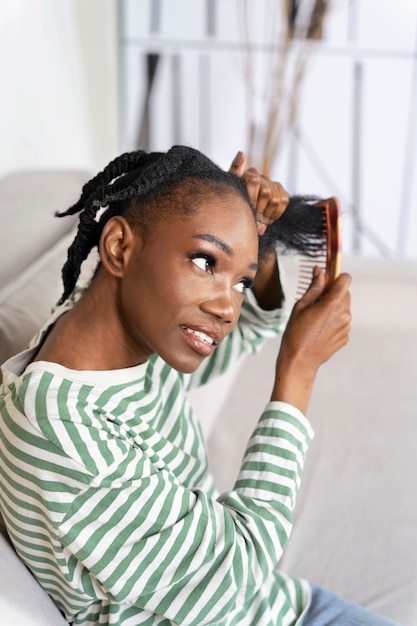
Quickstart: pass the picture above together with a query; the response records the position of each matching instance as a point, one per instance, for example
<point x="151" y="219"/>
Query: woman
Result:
<point x="104" y="481"/>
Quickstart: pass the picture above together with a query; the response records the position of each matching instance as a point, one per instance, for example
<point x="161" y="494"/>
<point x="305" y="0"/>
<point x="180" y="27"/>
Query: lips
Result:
<point x="202" y="341"/>
<point x="203" y="336"/>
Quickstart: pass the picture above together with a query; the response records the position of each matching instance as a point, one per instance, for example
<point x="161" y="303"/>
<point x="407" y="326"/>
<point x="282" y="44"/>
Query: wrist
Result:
<point x="294" y="382"/>
<point x="267" y="288"/>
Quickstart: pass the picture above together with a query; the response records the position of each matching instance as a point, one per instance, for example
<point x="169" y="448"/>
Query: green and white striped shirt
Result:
<point x="106" y="494"/>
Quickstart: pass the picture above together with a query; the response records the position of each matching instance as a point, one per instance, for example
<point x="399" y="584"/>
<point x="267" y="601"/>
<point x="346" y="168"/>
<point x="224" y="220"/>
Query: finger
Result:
<point x="238" y="164"/>
<point x="259" y="189"/>
<point x="261" y="226"/>
<point x="340" y="286"/>
<point x="259" y="197"/>
<point x="253" y="181"/>
<point x="263" y="204"/>
<point x="277" y="202"/>
<point x="316" y="288"/>
<point x="271" y="198"/>
<point x="262" y="222"/>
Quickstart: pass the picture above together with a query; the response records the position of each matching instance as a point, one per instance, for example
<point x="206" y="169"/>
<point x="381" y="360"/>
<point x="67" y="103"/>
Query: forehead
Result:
<point x="228" y="204"/>
<point x="227" y="215"/>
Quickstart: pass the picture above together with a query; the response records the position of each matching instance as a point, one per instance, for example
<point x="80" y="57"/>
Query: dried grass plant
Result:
<point x="297" y="28"/>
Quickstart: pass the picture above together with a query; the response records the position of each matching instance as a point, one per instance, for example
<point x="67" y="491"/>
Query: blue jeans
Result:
<point x="328" y="609"/>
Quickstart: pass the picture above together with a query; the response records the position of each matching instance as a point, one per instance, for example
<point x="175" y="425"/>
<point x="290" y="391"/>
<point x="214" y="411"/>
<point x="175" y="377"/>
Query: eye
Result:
<point x="243" y="285"/>
<point x="205" y="262"/>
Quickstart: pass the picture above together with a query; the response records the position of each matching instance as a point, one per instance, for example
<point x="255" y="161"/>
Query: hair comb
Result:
<point x="310" y="227"/>
<point x="324" y="250"/>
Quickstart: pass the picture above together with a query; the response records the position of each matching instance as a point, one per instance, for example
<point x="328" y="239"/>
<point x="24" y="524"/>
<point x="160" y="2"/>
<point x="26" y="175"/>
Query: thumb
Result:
<point x="316" y="288"/>
<point x="239" y="164"/>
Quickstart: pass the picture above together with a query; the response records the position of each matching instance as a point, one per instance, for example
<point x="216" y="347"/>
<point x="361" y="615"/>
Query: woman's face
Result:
<point x="181" y="293"/>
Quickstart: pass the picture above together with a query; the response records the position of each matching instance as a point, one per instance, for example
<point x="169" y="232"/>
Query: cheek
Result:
<point x="168" y="288"/>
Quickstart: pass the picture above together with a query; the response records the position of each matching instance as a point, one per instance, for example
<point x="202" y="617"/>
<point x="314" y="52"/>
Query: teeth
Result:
<point x="200" y="335"/>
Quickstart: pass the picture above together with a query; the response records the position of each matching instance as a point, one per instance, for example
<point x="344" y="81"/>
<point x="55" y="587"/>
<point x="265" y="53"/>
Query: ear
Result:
<point x="117" y="242"/>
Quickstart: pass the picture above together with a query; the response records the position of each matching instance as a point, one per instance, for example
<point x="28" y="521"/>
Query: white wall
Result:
<point x="98" y="32"/>
<point x="58" y="67"/>
<point x="356" y="129"/>
<point x="60" y="97"/>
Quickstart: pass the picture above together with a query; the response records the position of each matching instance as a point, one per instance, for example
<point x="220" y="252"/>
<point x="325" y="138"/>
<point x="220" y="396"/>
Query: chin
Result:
<point x="188" y="366"/>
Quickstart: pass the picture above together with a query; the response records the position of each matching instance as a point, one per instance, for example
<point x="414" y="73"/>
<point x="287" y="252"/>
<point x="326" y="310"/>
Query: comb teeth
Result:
<point x="323" y="251"/>
<point x="305" y="271"/>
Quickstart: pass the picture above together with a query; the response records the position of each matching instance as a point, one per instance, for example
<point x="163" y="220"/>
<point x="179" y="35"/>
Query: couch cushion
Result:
<point x="28" y="201"/>
<point x="26" y="303"/>
<point x="33" y="248"/>
<point x="22" y="600"/>
<point x="355" y="523"/>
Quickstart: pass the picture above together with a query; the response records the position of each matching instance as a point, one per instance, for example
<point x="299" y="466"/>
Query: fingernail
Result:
<point x="238" y="160"/>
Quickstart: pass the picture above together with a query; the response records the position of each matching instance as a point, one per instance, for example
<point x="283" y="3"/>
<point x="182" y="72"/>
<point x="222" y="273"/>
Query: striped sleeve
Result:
<point x="142" y="543"/>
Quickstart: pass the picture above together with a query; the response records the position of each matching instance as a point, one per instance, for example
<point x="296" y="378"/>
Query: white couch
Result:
<point x="356" y="517"/>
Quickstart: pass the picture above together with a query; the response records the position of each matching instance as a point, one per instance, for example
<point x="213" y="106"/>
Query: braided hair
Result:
<point x="138" y="184"/>
<point x="135" y="185"/>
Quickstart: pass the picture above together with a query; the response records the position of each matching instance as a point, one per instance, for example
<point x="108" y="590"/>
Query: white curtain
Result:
<point x="44" y="114"/>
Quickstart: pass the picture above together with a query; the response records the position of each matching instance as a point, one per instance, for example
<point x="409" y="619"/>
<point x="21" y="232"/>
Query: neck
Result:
<point x="91" y="336"/>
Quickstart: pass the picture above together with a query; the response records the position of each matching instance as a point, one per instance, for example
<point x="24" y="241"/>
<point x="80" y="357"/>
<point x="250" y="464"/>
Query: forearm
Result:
<point x="268" y="288"/>
<point x="318" y="327"/>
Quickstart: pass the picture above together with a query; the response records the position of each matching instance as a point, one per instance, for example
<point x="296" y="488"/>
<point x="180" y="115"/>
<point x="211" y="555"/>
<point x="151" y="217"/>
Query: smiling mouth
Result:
<point x="202" y="336"/>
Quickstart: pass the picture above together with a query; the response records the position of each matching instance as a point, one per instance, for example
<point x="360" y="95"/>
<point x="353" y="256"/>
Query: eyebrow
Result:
<point x="222" y="246"/>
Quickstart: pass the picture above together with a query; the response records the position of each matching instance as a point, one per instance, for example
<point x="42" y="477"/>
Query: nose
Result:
<point x="222" y="304"/>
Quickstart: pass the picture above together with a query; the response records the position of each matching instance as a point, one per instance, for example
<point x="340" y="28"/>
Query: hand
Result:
<point x="269" y="198"/>
<point x="318" y="327"/>
<point x="319" y="324"/>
